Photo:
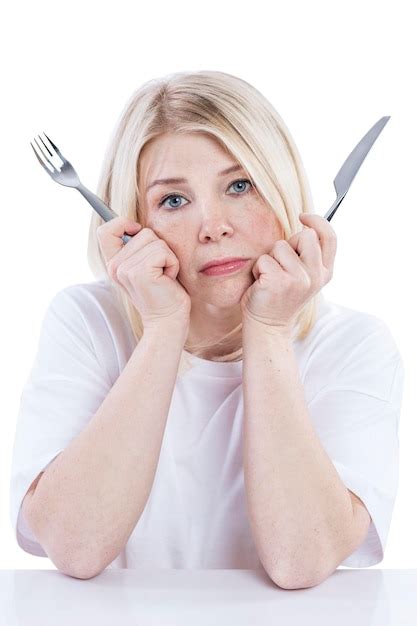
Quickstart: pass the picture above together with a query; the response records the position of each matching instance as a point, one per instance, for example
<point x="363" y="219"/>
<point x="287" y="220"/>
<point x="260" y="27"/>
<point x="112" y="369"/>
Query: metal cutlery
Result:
<point x="64" y="173"/>
<point x="350" y="167"/>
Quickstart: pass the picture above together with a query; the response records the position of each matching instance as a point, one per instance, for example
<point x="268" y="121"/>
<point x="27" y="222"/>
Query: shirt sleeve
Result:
<point x="65" y="387"/>
<point x="356" y="415"/>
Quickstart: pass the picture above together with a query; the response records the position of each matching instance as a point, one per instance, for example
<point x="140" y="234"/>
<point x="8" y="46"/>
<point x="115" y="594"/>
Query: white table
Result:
<point x="206" y="597"/>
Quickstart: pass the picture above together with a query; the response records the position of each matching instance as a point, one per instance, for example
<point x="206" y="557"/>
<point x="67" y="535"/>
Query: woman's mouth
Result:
<point x="225" y="268"/>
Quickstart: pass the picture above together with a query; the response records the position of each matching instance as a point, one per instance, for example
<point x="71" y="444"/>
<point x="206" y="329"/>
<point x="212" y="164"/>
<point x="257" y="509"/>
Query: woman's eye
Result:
<point x="179" y="206"/>
<point x="172" y="195"/>
<point x="239" y="181"/>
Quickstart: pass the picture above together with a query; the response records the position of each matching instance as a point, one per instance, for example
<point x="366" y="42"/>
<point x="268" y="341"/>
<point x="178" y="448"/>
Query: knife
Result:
<point x="350" y="167"/>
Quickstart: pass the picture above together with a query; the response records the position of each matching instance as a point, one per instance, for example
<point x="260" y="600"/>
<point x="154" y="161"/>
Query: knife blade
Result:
<point x="350" y="167"/>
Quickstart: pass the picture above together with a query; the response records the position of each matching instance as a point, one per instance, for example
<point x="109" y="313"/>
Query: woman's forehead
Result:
<point x="176" y="157"/>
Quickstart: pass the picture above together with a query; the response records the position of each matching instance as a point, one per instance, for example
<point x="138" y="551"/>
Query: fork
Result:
<point x="65" y="174"/>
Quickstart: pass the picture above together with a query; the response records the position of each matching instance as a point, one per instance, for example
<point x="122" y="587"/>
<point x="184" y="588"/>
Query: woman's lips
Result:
<point x="225" y="268"/>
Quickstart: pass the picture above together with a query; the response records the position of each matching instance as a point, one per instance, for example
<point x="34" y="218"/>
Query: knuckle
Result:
<point x="306" y="281"/>
<point x="281" y="244"/>
<point x="131" y="272"/>
<point x="112" y="269"/>
<point x="332" y="232"/>
<point x="99" y="230"/>
<point x="120" y="271"/>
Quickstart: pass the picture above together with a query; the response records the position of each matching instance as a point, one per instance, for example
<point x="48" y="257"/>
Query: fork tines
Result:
<point x="46" y="154"/>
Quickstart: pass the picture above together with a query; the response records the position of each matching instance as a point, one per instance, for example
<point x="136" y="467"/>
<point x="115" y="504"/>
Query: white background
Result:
<point x="331" y="70"/>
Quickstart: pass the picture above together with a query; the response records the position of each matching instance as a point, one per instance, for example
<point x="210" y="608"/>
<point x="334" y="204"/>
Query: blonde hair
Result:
<point x="248" y="127"/>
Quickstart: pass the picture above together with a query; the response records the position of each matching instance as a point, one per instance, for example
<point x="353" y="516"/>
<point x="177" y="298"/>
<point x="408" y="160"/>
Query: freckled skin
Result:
<point x="218" y="219"/>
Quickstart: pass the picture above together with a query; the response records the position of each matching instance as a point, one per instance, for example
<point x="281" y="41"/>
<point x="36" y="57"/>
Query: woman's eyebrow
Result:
<point x="174" y="181"/>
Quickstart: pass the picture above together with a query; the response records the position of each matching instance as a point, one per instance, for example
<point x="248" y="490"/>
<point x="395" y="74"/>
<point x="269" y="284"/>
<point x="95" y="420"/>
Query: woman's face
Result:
<point x="209" y="215"/>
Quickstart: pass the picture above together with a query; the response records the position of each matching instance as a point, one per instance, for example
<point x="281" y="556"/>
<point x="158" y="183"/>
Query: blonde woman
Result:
<point x="177" y="417"/>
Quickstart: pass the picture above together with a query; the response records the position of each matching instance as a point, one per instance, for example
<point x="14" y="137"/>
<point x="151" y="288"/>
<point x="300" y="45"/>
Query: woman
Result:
<point x="202" y="420"/>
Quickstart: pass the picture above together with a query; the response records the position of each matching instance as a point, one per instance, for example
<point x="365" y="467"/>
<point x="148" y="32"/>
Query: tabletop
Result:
<point x="379" y="597"/>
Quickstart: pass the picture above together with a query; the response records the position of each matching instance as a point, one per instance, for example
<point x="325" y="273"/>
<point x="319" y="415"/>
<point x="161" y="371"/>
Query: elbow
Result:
<point x="287" y="581"/>
<point x="300" y="577"/>
<point x="79" y="570"/>
<point x="59" y="551"/>
<point x="75" y="566"/>
<point x="62" y="555"/>
<point x="68" y="564"/>
<point x="284" y="580"/>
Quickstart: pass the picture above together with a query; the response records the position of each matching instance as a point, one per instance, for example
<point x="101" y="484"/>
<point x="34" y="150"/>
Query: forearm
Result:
<point x="297" y="504"/>
<point x="90" y="498"/>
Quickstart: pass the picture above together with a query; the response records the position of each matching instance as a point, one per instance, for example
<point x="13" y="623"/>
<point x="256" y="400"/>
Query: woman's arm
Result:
<point x="87" y="503"/>
<point x="301" y="513"/>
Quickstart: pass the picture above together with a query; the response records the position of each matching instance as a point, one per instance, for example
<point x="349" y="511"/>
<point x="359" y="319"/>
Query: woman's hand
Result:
<point x="147" y="269"/>
<point x="292" y="273"/>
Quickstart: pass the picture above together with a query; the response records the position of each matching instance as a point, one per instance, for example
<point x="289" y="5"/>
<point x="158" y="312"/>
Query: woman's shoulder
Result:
<point x="93" y="306"/>
<point x="90" y="313"/>
<point x="343" y="320"/>
<point x="97" y="292"/>
<point x="91" y="299"/>
<point x="349" y="349"/>
<point x="339" y="329"/>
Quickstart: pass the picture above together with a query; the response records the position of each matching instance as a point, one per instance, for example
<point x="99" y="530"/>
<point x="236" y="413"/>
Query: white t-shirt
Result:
<point x="195" y="517"/>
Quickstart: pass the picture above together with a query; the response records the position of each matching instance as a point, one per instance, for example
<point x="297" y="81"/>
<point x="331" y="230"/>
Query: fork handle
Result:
<point x="102" y="209"/>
